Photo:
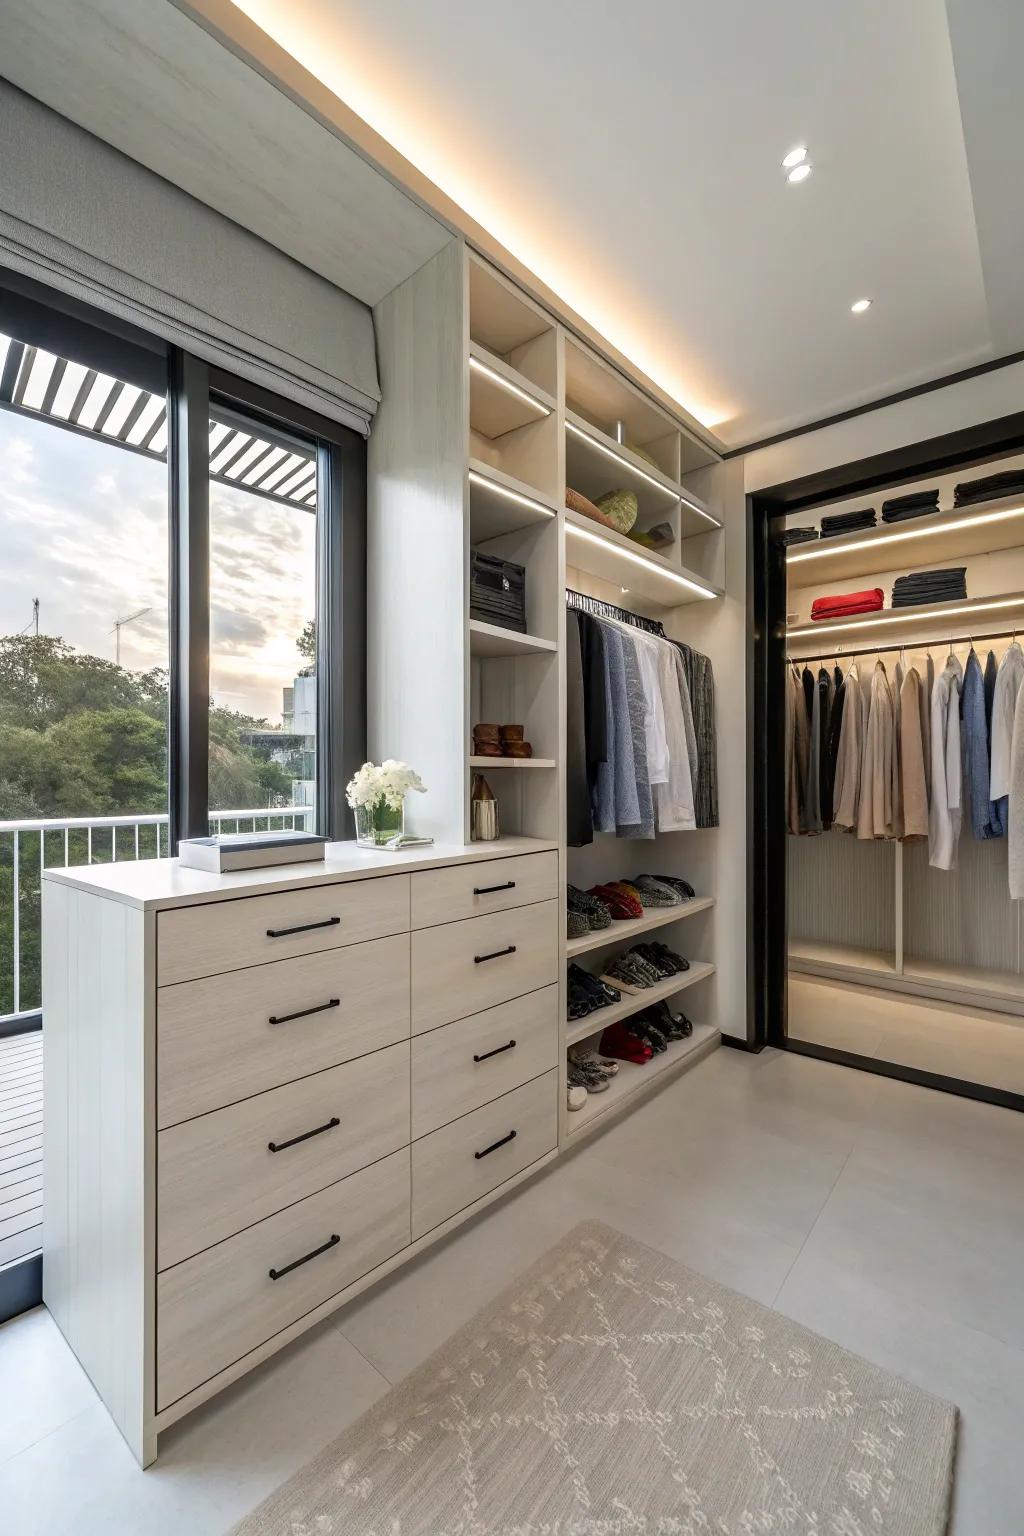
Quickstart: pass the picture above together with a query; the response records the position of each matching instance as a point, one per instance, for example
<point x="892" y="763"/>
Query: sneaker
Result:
<point x="575" y="1097"/>
<point x="654" y="892"/>
<point x="585" y="1077"/>
<point x="585" y="1055"/>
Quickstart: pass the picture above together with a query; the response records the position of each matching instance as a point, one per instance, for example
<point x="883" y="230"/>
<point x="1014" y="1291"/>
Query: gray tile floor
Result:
<point x="888" y="1217"/>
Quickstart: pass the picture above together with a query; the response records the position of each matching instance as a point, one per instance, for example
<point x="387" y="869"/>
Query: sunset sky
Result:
<point x="83" y="527"/>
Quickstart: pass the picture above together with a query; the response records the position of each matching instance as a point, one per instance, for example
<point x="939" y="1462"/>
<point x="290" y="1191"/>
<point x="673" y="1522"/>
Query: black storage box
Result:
<point x="497" y="591"/>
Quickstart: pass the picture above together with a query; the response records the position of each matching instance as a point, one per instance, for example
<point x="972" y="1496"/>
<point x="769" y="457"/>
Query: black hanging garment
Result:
<point x="579" y="817"/>
<point x="700" y="680"/>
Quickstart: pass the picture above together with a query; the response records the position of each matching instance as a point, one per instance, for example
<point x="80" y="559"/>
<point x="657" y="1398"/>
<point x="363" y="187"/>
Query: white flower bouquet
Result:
<point x="377" y="795"/>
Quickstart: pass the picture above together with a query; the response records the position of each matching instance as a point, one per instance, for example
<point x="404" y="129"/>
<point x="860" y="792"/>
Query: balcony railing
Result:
<point x="29" y="847"/>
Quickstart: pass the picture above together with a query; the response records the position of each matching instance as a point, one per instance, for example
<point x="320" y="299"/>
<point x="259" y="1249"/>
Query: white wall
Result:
<point x="983" y="398"/>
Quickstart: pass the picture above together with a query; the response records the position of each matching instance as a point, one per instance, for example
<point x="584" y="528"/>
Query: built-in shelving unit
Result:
<point x="512" y="762"/>
<point x="648" y="576"/>
<point x="500" y="398"/>
<point x="632" y="1080"/>
<point x="624" y="931"/>
<point x="636" y="1002"/>
<point x="499" y="503"/>
<point x="493" y="640"/>
<point x="922" y="541"/>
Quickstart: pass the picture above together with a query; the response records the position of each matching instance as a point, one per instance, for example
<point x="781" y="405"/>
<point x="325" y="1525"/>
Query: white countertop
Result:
<point x="155" y="883"/>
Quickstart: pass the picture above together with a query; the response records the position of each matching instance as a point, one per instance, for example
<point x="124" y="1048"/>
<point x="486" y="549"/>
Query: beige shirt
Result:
<point x="914" y="784"/>
<point x="876" y="813"/>
<point x="846" y="793"/>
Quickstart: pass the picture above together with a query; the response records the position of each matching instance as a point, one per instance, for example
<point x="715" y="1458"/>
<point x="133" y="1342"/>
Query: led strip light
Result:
<point x="516" y="496"/>
<point x="911" y="616"/>
<point x="633" y="469"/>
<point x="506" y="384"/>
<point x="638" y="559"/>
<point x="819" y="553"/>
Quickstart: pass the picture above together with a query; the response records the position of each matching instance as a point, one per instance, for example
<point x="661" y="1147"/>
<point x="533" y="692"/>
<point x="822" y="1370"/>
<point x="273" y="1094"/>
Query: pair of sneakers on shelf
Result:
<point x="585" y="992"/>
<point x="587" y="1071"/>
<point x="645" y="1034"/>
<point x="643" y="966"/>
<point x="628" y="899"/>
<point x="586" y="913"/>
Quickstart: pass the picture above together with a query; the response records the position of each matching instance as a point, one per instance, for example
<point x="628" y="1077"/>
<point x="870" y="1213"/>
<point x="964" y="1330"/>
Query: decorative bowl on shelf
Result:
<point x="621" y="507"/>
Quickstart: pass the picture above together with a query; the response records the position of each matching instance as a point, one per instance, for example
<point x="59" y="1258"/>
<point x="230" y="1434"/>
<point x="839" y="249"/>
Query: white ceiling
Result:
<point x="630" y="157"/>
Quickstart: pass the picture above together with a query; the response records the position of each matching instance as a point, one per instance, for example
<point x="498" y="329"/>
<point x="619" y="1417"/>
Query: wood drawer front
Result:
<point x="214" y="1308"/>
<point x="474" y="890"/>
<point x="450" y="1079"/>
<point x="216" y="1045"/>
<point x="229" y="935"/>
<point x="218" y="1174"/>
<point x="447" y="1173"/>
<point x="449" y="982"/>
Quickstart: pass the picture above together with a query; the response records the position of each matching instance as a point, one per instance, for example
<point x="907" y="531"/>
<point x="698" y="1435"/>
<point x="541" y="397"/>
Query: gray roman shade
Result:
<point x="81" y="216"/>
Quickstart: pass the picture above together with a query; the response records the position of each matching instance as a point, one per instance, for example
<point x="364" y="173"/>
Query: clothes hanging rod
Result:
<point x="914" y="645"/>
<point x="602" y="609"/>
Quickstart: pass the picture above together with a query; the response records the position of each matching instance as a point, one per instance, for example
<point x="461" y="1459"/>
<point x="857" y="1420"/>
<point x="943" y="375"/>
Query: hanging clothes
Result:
<point x="674" y="801"/>
<point x="875" y="812"/>
<point x="812" y="802"/>
<point x="579" y="818"/>
<point x="835" y="728"/>
<point x="846" y="793"/>
<point x="615" y="797"/>
<point x="927" y="684"/>
<point x="824" y="686"/>
<point x="640" y="713"/>
<point x="944" y="814"/>
<point x="700" y="678"/>
<point x="976" y="791"/>
<point x="1009" y="677"/>
<point x="1015" y="802"/>
<point x="914" y="787"/>
<point x="792" y="777"/>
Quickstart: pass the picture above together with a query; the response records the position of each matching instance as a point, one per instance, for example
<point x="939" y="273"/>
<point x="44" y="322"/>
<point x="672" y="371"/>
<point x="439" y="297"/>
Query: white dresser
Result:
<point x="265" y="1090"/>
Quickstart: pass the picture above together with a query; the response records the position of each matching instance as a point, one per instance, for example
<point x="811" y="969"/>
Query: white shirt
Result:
<point x="944" y="811"/>
<point x="1004" y="705"/>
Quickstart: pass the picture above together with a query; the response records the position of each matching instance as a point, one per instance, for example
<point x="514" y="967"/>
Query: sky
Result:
<point x="83" y="527"/>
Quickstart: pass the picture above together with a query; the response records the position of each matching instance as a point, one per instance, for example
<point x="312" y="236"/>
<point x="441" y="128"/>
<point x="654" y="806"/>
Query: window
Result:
<point x="182" y="608"/>
<point x="263" y="594"/>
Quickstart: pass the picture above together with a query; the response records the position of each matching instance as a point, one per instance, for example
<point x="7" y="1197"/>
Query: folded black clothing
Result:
<point x="923" y="499"/>
<point x="903" y="514"/>
<point x="987" y="487"/>
<point x="928" y="578"/>
<point x="925" y="599"/>
<point x="798" y="536"/>
<point x="843" y="522"/>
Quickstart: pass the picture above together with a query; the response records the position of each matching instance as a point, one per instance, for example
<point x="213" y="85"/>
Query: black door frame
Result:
<point x="766" y="655"/>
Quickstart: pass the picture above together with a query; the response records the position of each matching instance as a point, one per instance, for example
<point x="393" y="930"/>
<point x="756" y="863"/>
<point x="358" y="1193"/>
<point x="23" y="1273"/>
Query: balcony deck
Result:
<point x="21" y="1146"/>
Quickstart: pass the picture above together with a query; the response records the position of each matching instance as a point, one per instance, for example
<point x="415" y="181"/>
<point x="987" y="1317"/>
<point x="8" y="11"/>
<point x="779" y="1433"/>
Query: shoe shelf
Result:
<point x="636" y="1002"/>
<point x="631" y="1080"/>
<point x="624" y="930"/>
<point x="512" y="762"/>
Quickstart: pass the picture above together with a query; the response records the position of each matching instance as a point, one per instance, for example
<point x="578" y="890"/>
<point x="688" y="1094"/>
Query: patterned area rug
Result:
<point x="610" y="1390"/>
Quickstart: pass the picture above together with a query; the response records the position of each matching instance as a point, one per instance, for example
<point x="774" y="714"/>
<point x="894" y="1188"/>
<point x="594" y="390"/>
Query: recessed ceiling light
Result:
<point x="800" y="172"/>
<point x="795" y="157"/>
<point x="859" y="306"/>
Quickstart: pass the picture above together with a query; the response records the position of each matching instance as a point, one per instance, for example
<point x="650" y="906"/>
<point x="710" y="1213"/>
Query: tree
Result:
<point x="43" y="680"/>
<point x="306" y="647"/>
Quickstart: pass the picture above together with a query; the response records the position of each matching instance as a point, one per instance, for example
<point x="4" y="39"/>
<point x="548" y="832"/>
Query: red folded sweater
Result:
<point x="844" y="603"/>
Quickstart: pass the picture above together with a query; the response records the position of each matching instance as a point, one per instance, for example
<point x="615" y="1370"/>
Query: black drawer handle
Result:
<point x="332" y="1242"/>
<point x="279" y="1146"/>
<point x="284" y="933"/>
<point x="496" y="1052"/>
<point x="304" y="1013"/>
<point x="494" y="1147"/>
<point x="495" y="955"/>
<point x="486" y="890"/>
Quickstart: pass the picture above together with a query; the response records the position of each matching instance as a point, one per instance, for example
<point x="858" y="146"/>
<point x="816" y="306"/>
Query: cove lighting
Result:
<point x="501" y="490"/>
<point x="859" y="306"/>
<point x="911" y="616"/>
<point x="618" y="458"/>
<point x="506" y="384"/>
<point x="628" y="554"/>
<point x="800" y="172"/>
<point x="884" y="540"/>
<point x="795" y="157"/>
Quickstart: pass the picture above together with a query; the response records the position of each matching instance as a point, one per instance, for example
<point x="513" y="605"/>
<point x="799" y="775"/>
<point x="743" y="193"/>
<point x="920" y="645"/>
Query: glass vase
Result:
<point x="378" y="823"/>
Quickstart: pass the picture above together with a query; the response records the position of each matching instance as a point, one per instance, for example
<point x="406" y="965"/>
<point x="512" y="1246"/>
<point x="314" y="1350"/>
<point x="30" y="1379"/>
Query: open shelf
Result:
<point x="636" y="1002"/>
<point x="893" y="623"/>
<point x="512" y="762"/>
<point x="603" y="552"/>
<point x="596" y="463"/>
<point x="500" y="398"/>
<point x="630" y="1079"/>
<point x="499" y="503"/>
<point x="922" y="541"/>
<point x="624" y="930"/>
<point x="494" y="640"/>
<point x="824" y="958"/>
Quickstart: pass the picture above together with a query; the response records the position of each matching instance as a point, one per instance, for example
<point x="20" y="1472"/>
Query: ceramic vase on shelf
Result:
<point x="377" y="797"/>
<point x="378" y="823"/>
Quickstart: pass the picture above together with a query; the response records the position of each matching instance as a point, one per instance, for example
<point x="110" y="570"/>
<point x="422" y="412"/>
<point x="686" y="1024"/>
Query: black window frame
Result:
<point x="70" y="327"/>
